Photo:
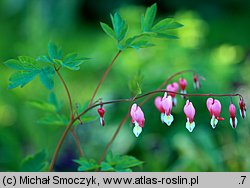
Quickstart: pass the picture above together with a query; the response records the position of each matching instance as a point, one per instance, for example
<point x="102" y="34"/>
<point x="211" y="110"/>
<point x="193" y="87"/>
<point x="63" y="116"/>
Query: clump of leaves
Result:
<point x="149" y="29"/>
<point x="43" y="66"/>
<point x="112" y="163"/>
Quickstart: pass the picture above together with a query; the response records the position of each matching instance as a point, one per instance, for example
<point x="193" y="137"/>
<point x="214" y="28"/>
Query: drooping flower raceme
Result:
<point x="214" y="108"/>
<point x="242" y="108"/>
<point x="174" y="88"/>
<point x="167" y="106"/>
<point x="137" y="117"/>
<point x="233" y="119"/>
<point x="101" y="112"/>
<point x="158" y="105"/>
<point x="183" y="85"/>
<point x="189" y="110"/>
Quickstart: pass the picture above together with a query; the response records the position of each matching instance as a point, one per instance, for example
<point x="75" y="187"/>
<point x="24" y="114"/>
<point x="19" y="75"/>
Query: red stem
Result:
<point x="103" y="77"/>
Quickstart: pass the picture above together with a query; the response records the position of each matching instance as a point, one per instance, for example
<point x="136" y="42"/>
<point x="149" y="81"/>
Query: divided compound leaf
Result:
<point x="35" y="163"/>
<point x="46" y="77"/>
<point x="72" y="61"/>
<point x="120" y="26"/>
<point x="21" y="78"/>
<point x="86" y="165"/>
<point x="108" y="30"/>
<point x="54" y="51"/>
<point x="23" y="63"/>
<point x="166" y="24"/>
<point x="147" y="20"/>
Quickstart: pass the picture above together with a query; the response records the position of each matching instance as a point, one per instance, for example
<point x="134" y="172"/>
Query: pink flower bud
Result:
<point x="101" y="112"/>
<point x="173" y="88"/>
<point x="214" y="108"/>
<point x="242" y="108"/>
<point x="189" y="111"/>
<point x="183" y="83"/>
<point x="137" y="117"/>
<point x="233" y="119"/>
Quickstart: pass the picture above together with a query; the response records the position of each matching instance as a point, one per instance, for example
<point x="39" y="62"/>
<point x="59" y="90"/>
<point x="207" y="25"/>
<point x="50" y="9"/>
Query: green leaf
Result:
<point x="54" y="51"/>
<point x="21" y="78"/>
<point x="73" y="62"/>
<point x="164" y="35"/>
<point x="46" y="77"/>
<point x="87" y="165"/>
<point x="140" y="44"/>
<point x="108" y="30"/>
<point x="53" y="119"/>
<point x="165" y="24"/>
<point x="41" y="105"/>
<point x="23" y="63"/>
<point x="120" y="26"/>
<point x="126" y="162"/>
<point x="44" y="59"/>
<point x="35" y="163"/>
<point x="106" y="167"/>
<point x="148" y="19"/>
<point x="109" y="157"/>
<point x="135" y="84"/>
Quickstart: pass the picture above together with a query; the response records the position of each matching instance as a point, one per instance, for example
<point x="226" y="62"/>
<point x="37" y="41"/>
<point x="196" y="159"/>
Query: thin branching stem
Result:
<point x="67" y="91"/>
<point x="103" y="77"/>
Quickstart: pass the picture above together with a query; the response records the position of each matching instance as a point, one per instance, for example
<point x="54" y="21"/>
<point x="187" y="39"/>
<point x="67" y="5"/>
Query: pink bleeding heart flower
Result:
<point x="242" y="108"/>
<point x="189" y="110"/>
<point x="173" y="88"/>
<point x="233" y="119"/>
<point x="166" y="103"/>
<point x="183" y="85"/>
<point x="101" y="112"/>
<point x="137" y="117"/>
<point x="214" y="108"/>
<point x="158" y="105"/>
<point x="197" y="83"/>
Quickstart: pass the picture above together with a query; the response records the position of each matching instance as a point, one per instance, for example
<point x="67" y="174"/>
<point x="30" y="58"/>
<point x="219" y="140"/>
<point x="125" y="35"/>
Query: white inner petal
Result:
<point x="190" y="126"/>
<point x="235" y="121"/>
<point x="137" y="130"/>
<point x="168" y="119"/>
<point x="162" y="117"/>
<point x="136" y="123"/>
<point x="213" y="121"/>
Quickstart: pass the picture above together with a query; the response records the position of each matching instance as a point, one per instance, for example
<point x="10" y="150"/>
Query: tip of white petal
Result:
<point x="244" y="113"/>
<point x="190" y="126"/>
<point x="168" y="119"/>
<point x="213" y="122"/>
<point x="101" y="121"/>
<point x="137" y="130"/>
<point x="183" y="92"/>
<point x="235" y="121"/>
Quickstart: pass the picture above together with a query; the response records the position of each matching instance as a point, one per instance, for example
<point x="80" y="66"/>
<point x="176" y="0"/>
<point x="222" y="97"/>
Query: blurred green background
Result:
<point x="214" y="42"/>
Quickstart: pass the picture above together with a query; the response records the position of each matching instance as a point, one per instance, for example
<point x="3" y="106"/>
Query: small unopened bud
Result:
<point x="197" y="83"/>
<point x="101" y="112"/>
<point x="242" y="108"/>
